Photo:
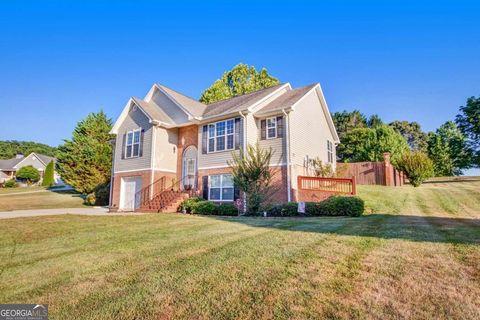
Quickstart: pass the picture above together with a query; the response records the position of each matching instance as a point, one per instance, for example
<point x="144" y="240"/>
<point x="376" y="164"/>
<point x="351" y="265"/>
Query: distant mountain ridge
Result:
<point x="9" y="148"/>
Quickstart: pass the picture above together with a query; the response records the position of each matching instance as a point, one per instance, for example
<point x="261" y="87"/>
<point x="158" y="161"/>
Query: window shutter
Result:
<point x="279" y="127"/>
<point x="204" y="139"/>
<point x="205" y="187"/>
<point x="142" y="134"/>
<point x="236" y="192"/>
<point x="263" y="129"/>
<point x="238" y="133"/>
<point x="124" y="143"/>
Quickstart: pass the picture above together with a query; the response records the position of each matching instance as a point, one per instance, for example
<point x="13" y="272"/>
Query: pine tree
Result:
<point x="85" y="161"/>
<point x="48" y="177"/>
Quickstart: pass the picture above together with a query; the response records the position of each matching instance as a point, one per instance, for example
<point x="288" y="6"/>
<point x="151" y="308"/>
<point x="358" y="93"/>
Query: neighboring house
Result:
<point x="9" y="167"/>
<point x="171" y="136"/>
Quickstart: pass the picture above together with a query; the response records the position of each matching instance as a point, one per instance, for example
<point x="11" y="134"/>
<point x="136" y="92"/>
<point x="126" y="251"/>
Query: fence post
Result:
<point x="354" y="185"/>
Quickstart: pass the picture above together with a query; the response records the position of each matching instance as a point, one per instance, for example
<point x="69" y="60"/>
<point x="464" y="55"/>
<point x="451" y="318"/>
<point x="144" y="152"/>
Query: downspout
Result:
<point x="112" y="172"/>
<point x="287" y="145"/>
<point x="152" y="160"/>
<point x="244" y="150"/>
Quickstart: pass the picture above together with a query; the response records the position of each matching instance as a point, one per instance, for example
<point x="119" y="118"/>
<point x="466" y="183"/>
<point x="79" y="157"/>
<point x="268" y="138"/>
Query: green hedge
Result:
<point x="333" y="206"/>
<point x="11" y="184"/>
<point x="201" y="206"/>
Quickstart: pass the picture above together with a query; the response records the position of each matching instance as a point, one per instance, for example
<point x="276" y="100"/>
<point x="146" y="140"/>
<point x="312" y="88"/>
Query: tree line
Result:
<point x="452" y="148"/>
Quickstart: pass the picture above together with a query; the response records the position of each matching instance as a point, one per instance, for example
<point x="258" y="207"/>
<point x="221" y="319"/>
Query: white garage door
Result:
<point x="130" y="186"/>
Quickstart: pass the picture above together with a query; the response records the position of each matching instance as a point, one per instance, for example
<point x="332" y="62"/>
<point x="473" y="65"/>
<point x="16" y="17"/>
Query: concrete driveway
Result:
<point x="95" y="211"/>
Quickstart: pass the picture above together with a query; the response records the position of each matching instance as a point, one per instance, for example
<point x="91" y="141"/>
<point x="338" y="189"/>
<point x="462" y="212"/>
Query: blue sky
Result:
<point x="407" y="60"/>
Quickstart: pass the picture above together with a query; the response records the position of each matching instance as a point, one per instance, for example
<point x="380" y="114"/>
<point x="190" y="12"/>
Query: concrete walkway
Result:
<point x="95" y="211"/>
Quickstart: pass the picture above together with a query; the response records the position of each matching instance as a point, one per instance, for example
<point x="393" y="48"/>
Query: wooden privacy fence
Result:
<point x="319" y="188"/>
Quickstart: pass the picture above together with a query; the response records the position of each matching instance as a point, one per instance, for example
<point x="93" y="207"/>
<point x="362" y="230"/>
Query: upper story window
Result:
<point x="330" y="151"/>
<point x="271" y="128"/>
<point x="132" y="145"/>
<point x="221" y="135"/>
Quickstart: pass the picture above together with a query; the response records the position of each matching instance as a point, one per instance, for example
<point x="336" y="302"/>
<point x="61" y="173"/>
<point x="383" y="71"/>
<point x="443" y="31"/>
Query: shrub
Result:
<point x="188" y="204"/>
<point x="48" y="177"/>
<point x="90" y="199"/>
<point x="204" y="207"/>
<point x="28" y="173"/>
<point x="227" y="209"/>
<point x="339" y="206"/>
<point x="333" y="206"/>
<point x="102" y="194"/>
<point x="417" y="167"/>
<point x="11" y="184"/>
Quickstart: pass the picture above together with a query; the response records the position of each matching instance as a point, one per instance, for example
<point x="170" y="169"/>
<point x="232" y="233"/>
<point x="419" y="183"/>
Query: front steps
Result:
<point x="166" y="201"/>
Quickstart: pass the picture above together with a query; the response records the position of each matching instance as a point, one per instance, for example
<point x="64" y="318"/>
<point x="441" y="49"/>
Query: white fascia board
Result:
<point x="327" y="113"/>
<point x="253" y="106"/>
<point x="124" y="115"/>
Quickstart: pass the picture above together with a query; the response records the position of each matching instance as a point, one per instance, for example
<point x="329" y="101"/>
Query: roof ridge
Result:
<point x="246" y="94"/>
<point x="182" y="94"/>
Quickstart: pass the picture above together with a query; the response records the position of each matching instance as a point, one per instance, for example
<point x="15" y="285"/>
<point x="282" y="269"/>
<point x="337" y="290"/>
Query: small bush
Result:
<point x="417" y="167"/>
<point x="333" y="206"/>
<point x="11" y="184"/>
<point x="28" y="173"/>
<point x="90" y="199"/>
<point x="102" y="194"/>
<point x="204" y="207"/>
<point x="188" y="204"/>
<point x="339" y="206"/>
<point x="227" y="209"/>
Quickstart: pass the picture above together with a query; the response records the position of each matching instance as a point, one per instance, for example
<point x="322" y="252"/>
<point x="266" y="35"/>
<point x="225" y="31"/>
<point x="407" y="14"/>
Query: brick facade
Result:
<point x="146" y="181"/>
<point x="187" y="136"/>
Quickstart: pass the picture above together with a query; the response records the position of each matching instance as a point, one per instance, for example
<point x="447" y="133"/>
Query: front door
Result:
<point x="189" y="170"/>
<point x="129" y="188"/>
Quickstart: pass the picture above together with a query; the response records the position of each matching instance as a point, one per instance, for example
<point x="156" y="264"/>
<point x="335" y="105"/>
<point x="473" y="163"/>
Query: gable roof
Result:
<point x="286" y="100"/>
<point x="239" y="103"/>
<point x="11" y="164"/>
<point x="194" y="107"/>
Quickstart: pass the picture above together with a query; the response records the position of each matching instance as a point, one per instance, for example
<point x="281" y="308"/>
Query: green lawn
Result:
<point x="419" y="262"/>
<point x="37" y="198"/>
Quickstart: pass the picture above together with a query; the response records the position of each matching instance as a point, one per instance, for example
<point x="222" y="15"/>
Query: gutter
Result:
<point x="113" y="143"/>
<point x="243" y="151"/>
<point x="287" y="145"/>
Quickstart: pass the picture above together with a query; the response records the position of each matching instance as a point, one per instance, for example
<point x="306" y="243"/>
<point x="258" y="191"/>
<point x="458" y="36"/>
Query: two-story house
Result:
<point x="172" y="137"/>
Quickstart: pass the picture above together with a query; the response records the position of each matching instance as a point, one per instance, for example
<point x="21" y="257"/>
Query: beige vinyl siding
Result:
<point x="309" y="132"/>
<point x="135" y="119"/>
<point x="166" y="149"/>
<point x="278" y="145"/>
<point x="169" y="107"/>
<point x="252" y="131"/>
<point x="213" y="159"/>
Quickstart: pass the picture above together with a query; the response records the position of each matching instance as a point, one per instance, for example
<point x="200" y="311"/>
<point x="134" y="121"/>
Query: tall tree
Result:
<point x="447" y="148"/>
<point x="347" y="121"/>
<point x="85" y="161"/>
<point x="241" y="79"/>
<point x="412" y="132"/>
<point x="468" y="122"/>
<point x="369" y="144"/>
<point x="374" y="121"/>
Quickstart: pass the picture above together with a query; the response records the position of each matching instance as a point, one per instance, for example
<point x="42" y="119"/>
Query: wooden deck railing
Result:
<point x="330" y="185"/>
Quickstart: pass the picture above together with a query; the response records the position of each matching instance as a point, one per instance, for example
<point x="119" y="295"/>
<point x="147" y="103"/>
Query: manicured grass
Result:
<point x="387" y="265"/>
<point x="38" y="198"/>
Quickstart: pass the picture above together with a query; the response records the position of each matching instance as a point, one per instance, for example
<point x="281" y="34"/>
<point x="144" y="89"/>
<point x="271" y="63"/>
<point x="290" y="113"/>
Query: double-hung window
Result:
<point x="330" y="151"/>
<point x="271" y="128"/>
<point x="220" y="187"/>
<point x="132" y="145"/>
<point x="221" y="136"/>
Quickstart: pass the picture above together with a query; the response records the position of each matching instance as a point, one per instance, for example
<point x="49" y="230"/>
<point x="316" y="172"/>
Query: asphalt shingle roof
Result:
<point x="286" y="100"/>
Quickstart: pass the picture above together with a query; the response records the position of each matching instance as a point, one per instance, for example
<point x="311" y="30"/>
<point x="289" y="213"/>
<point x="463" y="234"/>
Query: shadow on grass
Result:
<point x="386" y="226"/>
<point x="71" y="192"/>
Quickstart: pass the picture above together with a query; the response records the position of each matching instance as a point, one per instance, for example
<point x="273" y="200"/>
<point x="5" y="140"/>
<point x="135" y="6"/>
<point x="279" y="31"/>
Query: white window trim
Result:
<point x="274" y="127"/>
<point x="133" y="143"/>
<point x="214" y="124"/>
<point x="330" y="151"/>
<point x="221" y="188"/>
